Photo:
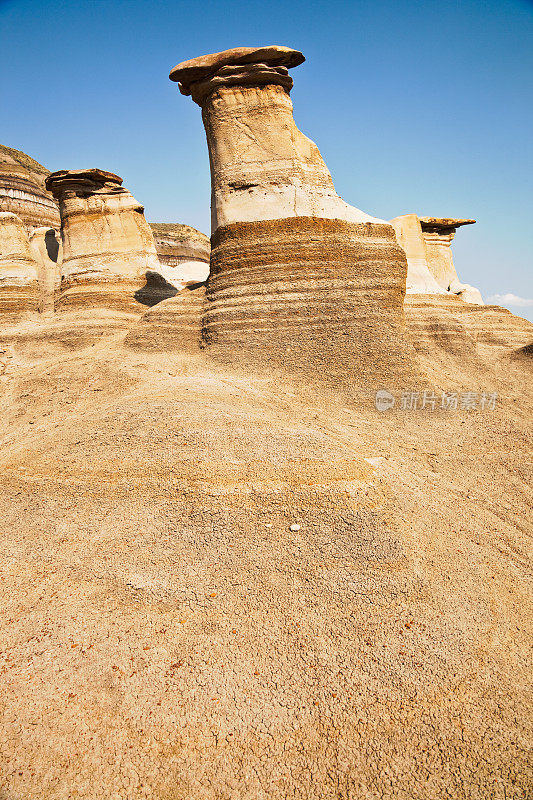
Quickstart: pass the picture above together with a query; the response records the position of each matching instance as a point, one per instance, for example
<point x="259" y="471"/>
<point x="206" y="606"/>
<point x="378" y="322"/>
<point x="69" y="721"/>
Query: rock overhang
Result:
<point x="444" y="224"/>
<point x="196" y="69"/>
<point x="240" y="66"/>
<point x="63" y="179"/>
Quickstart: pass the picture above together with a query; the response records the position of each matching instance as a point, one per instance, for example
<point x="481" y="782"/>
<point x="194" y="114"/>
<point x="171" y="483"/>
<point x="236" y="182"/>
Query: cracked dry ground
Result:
<point x="164" y="634"/>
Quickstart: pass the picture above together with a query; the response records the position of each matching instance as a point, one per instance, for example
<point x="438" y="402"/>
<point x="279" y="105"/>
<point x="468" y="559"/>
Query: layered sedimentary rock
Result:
<point x="430" y="267"/>
<point x="46" y="250"/>
<point x="23" y="191"/>
<point x="438" y="235"/>
<point x="174" y="323"/>
<point x="183" y="253"/>
<point x="19" y="272"/>
<point x="298" y="277"/>
<point x="107" y="244"/>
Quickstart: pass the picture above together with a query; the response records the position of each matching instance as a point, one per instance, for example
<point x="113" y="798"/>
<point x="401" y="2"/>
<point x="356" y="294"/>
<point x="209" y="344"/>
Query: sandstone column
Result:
<point x="409" y="235"/>
<point x="19" y="286"/>
<point x="438" y="234"/>
<point x="298" y="277"/>
<point x="430" y="268"/>
<point x="107" y="244"/>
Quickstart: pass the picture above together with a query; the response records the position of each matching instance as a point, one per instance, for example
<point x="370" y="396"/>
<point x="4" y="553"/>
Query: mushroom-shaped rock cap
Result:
<point x="198" y="69"/>
<point x="443" y="223"/>
<point x="80" y="178"/>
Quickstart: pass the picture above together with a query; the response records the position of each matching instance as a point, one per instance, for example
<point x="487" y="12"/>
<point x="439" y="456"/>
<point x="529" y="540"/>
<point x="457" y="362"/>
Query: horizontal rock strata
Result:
<point x="311" y="295"/>
<point x="19" y="271"/>
<point x="183" y="253"/>
<point x="107" y="244"/>
<point x="430" y="267"/>
<point x="466" y="344"/>
<point x="176" y="243"/>
<point x="23" y="191"/>
<point x="299" y="279"/>
<point x="173" y="324"/>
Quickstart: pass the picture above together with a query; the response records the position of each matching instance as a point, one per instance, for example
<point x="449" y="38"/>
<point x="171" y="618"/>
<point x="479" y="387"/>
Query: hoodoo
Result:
<point x="108" y="246"/>
<point x="299" y="278"/>
<point x="430" y="267"/>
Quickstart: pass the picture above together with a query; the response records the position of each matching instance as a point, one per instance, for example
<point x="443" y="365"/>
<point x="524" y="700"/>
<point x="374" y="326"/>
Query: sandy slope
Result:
<point x="164" y="632"/>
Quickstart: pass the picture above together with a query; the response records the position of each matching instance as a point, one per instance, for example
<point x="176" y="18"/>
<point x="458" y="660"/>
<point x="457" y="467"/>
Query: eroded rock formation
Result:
<point x="298" y="277"/>
<point x="430" y="267"/>
<point x="23" y="191"/>
<point x="107" y="244"/>
<point x="19" y="287"/>
<point x="183" y="253"/>
<point x="47" y="252"/>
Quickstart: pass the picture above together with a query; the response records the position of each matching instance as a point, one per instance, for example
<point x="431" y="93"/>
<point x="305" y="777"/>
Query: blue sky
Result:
<point x="422" y="107"/>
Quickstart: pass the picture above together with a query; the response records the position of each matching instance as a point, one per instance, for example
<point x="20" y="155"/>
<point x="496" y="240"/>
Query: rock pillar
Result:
<point x="19" y="284"/>
<point x="438" y="235"/>
<point x="430" y="268"/>
<point x="299" y="278"/>
<point x="108" y="246"/>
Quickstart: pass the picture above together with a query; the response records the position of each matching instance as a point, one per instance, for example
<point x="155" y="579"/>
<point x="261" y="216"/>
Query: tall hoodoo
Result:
<point x="107" y="244"/>
<point x="298" y="276"/>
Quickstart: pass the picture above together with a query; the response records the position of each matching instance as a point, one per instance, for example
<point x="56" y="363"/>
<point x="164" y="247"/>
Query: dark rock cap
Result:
<point x="80" y="178"/>
<point x="443" y="223"/>
<point x="197" y="69"/>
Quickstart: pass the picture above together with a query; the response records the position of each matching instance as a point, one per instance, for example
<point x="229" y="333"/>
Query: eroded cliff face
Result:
<point x="183" y="253"/>
<point x="23" y="191"/>
<point x="19" y="288"/>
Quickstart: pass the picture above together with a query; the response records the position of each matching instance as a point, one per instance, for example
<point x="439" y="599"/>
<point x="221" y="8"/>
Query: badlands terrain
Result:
<point x="226" y="575"/>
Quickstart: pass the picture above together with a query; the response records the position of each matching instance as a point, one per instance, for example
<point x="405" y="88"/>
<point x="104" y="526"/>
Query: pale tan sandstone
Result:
<point x="262" y="166"/>
<point x="107" y="244"/>
<point x="174" y="323"/>
<point x="438" y="235"/>
<point x="409" y="234"/>
<point x="19" y="287"/>
<point x="47" y="252"/>
<point x="430" y="267"/>
<point x="299" y="279"/>
<point x="183" y="253"/>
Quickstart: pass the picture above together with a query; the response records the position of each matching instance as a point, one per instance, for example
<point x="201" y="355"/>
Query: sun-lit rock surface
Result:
<point x="215" y="585"/>
<point x="183" y="253"/>
<point x="107" y="244"/>
<point x="223" y="583"/>
<point x="22" y="190"/>
<point x="299" y="279"/>
<point x="430" y="267"/>
<point x="262" y="166"/>
<point x="19" y="287"/>
<point x="47" y="252"/>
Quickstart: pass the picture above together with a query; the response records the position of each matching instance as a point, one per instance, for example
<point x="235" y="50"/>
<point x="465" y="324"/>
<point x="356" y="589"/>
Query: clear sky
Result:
<point x="422" y="107"/>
